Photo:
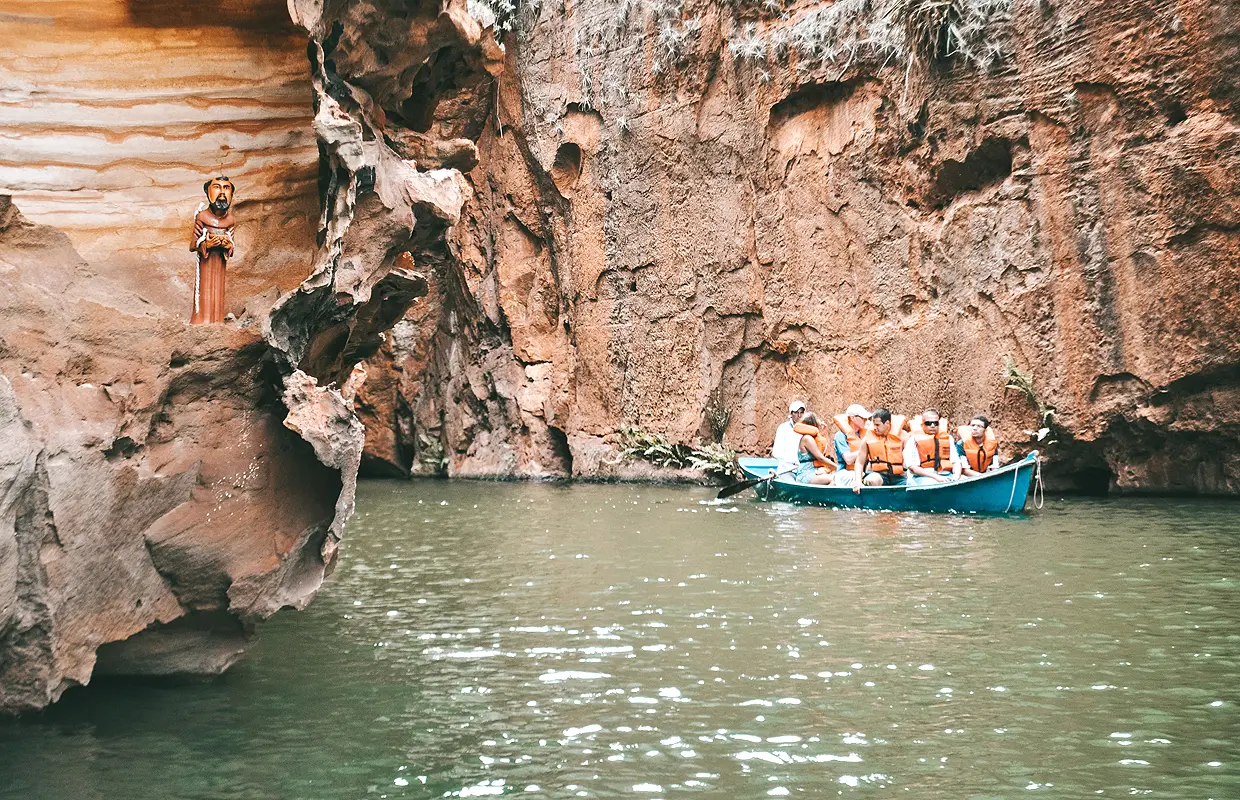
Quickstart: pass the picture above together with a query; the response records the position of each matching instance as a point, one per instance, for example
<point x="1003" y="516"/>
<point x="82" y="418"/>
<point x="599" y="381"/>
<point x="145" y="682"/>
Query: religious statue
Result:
<point x="213" y="246"/>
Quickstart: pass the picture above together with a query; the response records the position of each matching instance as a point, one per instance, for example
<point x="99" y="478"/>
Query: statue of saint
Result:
<point x="213" y="246"/>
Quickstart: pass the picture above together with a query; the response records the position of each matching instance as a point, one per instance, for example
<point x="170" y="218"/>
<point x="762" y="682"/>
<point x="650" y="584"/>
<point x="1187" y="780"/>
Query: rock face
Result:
<point x="154" y="505"/>
<point x="165" y="487"/>
<point x="686" y="213"/>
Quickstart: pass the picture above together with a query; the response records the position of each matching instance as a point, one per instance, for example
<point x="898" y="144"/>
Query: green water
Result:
<point x="637" y="641"/>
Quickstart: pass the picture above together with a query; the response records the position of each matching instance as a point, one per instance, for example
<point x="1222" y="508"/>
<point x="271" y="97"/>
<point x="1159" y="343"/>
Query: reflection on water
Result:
<point x="602" y="641"/>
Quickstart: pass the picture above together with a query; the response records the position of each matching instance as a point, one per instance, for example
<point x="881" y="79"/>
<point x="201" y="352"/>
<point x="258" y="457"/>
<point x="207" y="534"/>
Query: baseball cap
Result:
<point x="857" y="410"/>
<point x="796" y="405"/>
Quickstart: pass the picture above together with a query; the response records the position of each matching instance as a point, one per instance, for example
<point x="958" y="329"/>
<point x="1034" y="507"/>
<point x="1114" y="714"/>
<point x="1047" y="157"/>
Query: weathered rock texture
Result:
<point x="154" y="505"/>
<point x="165" y="487"/>
<point x="673" y="218"/>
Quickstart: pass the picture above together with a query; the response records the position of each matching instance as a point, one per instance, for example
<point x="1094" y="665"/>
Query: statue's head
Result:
<point x="219" y="193"/>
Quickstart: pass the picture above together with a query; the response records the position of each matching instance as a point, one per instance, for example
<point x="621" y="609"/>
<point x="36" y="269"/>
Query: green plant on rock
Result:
<point x="1021" y="381"/>
<point x="713" y="459"/>
<point x="718" y="415"/>
<point x="431" y="454"/>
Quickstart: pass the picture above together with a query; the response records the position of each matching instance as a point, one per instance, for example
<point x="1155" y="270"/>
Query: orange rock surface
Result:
<point x="669" y="216"/>
<point x="669" y="221"/>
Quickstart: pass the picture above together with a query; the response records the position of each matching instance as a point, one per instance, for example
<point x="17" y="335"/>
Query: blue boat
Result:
<point x="1000" y="492"/>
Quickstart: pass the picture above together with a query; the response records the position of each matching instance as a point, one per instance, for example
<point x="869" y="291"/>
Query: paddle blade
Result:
<point x="737" y="488"/>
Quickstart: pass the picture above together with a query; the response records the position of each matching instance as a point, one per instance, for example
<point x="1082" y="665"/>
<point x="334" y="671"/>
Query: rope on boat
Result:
<point x="1012" y="496"/>
<point x="1039" y="491"/>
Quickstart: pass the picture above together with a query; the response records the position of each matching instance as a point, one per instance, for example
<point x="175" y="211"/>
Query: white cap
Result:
<point x="857" y="410"/>
<point x="796" y="405"/>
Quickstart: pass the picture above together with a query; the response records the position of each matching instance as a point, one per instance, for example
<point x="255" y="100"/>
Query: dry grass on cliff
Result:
<point x="904" y="34"/>
<point x="885" y="31"/>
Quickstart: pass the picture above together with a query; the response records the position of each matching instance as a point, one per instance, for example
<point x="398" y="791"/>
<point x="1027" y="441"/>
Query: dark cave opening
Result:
<point x="1092" y="481"/>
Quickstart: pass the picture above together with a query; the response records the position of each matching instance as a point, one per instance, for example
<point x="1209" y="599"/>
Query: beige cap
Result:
<point x="796" y="405"/>
<point x="857" y="410"/>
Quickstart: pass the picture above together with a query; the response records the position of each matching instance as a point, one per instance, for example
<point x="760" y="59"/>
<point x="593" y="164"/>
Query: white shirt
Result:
<point x="787" y="444"/>
<point x="913" y="459"/>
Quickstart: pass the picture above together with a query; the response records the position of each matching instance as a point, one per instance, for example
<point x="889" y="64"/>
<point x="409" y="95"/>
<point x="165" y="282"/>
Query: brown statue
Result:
<point x="213" y="246"/>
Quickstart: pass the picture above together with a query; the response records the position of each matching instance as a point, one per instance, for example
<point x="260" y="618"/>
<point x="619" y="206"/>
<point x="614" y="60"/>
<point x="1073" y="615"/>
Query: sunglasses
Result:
<point x="933" y="424"/>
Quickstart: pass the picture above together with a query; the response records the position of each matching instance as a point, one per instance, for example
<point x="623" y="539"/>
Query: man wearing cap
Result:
<point x="848" y="438"/>
<point x="788" y="441"/>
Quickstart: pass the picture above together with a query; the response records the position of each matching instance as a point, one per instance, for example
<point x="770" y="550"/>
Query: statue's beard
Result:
<point x="219" y="206"/>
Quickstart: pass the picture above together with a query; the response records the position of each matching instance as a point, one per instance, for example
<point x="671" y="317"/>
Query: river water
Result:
<point x="639" y="641"/>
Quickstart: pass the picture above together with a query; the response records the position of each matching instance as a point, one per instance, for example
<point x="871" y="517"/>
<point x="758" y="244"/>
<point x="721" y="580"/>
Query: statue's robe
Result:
<point x="209" y="274"/>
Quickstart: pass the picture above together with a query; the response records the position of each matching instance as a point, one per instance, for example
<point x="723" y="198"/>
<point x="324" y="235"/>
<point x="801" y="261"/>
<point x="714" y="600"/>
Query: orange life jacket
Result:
<point x="824" y="443"/>
<point x="850" y="434"/>
<point x="978" y="456"/>
<point x="927" y="446"/>
<point x="886" y="454"/>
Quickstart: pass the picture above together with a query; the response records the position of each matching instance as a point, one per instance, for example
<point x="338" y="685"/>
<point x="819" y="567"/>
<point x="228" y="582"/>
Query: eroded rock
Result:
<point x="165" y="487"/>
<point x="674" y="211"/>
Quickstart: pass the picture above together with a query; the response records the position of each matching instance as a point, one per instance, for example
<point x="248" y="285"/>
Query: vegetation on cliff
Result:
<point x="716" y="460"/>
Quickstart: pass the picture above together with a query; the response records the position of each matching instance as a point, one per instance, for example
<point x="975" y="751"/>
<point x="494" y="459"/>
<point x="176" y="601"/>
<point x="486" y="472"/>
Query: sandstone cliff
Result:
<point x="164" y="488"/>
<point x="113" y="113"/>
<point x="687" y="213"/>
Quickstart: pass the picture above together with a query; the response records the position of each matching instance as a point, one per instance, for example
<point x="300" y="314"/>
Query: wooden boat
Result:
<point x="1000" y="492"/>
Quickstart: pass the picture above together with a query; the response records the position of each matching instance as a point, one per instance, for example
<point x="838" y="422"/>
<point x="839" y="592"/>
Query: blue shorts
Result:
<point x="888" y="478"/>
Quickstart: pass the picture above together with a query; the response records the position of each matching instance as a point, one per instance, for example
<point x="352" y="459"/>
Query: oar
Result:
<point x="737" y="488"/>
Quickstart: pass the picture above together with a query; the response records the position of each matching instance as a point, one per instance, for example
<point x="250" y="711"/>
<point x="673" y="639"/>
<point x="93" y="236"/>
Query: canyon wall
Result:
<point x="686" y="214"/>
<point x="165" y="487"/>
<point x="674" y="216"/>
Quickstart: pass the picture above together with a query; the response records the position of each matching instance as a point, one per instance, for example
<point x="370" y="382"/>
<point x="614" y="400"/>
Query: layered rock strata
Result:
<point x="165" y="487"/>
<point x="114" y="112"/>
<point x="686" y="214"/>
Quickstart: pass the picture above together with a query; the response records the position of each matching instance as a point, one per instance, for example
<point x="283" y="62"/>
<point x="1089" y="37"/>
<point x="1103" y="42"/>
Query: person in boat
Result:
<point x="788" y="441"/>
<point x="930" y="452"/>
<point x="880" y="459"/>
<point x="814" y="465"/>
<point x="850" y="430"/>
<point x="978" y="447"/>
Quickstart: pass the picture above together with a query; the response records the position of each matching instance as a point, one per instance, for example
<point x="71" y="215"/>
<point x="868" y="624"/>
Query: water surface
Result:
<point x="637" y="641"/>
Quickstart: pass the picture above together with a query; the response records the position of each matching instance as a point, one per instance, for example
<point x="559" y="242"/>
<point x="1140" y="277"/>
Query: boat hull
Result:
<point x="1000" y="492"/>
